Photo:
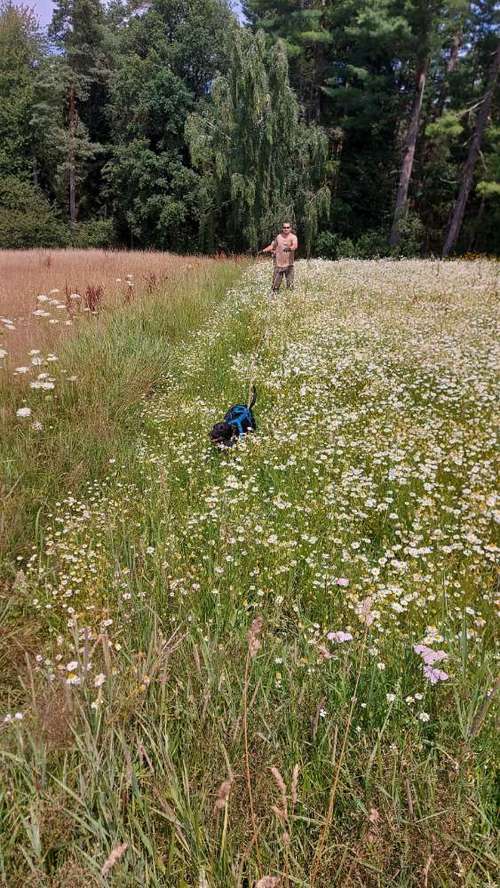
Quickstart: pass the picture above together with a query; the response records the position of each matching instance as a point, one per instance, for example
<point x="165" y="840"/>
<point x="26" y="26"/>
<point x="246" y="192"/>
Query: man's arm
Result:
<point x="293" y="246"/>
<point x="270" y="249"/>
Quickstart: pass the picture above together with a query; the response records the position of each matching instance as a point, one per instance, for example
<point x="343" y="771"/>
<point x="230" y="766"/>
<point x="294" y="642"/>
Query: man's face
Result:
<point x="286" y="229"/>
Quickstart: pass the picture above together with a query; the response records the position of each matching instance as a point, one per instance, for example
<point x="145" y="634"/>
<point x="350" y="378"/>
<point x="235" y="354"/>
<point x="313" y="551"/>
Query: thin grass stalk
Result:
<point x="333" y="792"/>
<point x="224" y="832"/>
<point x="252" y="650"/>
<point x="483" y="710"/>
<point x="247" y="755"/>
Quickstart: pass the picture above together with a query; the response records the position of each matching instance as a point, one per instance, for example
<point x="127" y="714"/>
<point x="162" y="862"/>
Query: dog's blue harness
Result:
<point x="241" y="417"/>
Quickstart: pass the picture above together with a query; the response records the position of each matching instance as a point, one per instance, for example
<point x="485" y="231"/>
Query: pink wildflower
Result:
<point x="428" y="655"/>
<point x="364" y="611"/>
<point x="339" y="637"/>
<point x="435" y="675"/>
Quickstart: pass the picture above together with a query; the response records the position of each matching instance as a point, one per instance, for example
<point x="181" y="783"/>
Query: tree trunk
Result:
<point x="454" y="54"/>
<point x="474" y="149"/>
<point x="451" y="64"/>
<point x="72" y="156"/>
<point x="477" y="225"/>
<point x="409" y="155"/>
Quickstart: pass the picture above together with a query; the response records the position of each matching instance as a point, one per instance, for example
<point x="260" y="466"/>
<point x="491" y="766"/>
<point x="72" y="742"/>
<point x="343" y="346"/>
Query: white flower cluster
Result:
<point x="366" y="500"/>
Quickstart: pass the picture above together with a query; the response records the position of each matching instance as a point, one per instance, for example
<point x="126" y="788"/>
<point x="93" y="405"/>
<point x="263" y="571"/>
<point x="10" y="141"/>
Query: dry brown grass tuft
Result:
<point x="73" y="875"/>
<point x="54" y="718"/>
<point x="100" y="277"/>
<point x="57" y="826"/>
<point x="20" y="639"/>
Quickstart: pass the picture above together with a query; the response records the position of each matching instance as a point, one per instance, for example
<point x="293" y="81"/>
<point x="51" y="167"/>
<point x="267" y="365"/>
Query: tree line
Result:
<point x="169" y="124"/>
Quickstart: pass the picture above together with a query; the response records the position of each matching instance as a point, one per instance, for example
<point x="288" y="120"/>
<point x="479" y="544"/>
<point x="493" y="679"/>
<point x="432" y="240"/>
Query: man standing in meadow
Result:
<point x="283" y="249"/>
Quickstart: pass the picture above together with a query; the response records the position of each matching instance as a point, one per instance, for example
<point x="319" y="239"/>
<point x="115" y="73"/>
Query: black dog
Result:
<point x="238" y="420"/>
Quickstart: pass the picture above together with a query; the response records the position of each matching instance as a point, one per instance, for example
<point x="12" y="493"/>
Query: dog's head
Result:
<point x="222" y="434"/>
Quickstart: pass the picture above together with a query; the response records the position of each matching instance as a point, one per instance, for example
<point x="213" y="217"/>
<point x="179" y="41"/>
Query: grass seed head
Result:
<point x="223" y="795"/>
<point x="253" y="636"/>
<point x="116" y="855"/>
<point x="295" y="782"/>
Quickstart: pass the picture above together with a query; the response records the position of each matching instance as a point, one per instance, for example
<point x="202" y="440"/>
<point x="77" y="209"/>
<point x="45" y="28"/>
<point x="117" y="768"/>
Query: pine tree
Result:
<point x="425" y="18"/>
<point x="363" y="88"/>
<point x="62" y="144"/>
<point x="455" y="99"/>
<point x="473" y="154"/>
<point x="78" y="29"/>
<point x="302" y="25"/>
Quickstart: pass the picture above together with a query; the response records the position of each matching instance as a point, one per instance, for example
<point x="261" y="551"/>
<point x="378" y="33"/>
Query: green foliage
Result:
<point x="57" y="146"/>
<point x="79" y="31"/>
<point x="333" y="246"/>
<point x="26" y="217"/>
<point x="346" y="248"/>
<point x="489" y="186"/>
<point x="255" y="156"/>
<point x="412" y="236"/>
<point x="488" y="189"/>
<point x="20" y="48"/>
<point x="194" y="132"/>
<point x="446" y="127"/>
<point x="372" y="245"/>
<point x="305" y="30"/>
<point x="153" y="195"/>
<point x="169" y="57"/>
<point x="94" y="233"/>
<point x="326" y="245"/>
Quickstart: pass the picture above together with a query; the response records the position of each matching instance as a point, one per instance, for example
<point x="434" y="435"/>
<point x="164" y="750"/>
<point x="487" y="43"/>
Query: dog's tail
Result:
<point x="253" y="396"/>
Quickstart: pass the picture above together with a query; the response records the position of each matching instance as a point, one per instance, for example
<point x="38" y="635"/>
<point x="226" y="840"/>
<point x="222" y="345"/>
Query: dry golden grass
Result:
<point x="121" y="276"/>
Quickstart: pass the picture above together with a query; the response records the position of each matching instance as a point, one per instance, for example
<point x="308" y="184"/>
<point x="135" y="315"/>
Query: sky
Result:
<point x="43" y="8"/>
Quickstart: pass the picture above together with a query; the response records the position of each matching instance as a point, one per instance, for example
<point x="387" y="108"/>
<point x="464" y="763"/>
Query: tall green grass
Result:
<point x="117" y="358"/>
<point x="219" y="750"/>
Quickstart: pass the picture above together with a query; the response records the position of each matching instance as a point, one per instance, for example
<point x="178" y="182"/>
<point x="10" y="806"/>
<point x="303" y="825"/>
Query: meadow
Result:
<point x="87" y="330"/>
<point x="275" y="665"/>
<point x="43" y="293"/>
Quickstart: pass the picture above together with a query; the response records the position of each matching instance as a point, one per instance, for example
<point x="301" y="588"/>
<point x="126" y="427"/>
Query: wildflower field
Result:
<point x="273" y="665"/>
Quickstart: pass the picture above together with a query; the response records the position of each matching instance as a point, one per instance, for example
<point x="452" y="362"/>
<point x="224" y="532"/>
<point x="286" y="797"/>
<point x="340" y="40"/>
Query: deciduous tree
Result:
<point x="258" y="160"/>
